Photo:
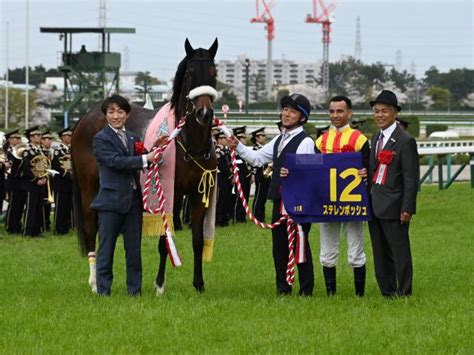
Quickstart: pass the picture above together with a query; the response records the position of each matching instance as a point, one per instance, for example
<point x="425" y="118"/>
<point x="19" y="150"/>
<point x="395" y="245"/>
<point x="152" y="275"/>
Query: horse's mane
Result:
<point x="177" y="85"/>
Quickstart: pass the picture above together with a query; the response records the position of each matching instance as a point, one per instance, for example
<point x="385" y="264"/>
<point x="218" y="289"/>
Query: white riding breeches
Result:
<point x="330" y="233"/>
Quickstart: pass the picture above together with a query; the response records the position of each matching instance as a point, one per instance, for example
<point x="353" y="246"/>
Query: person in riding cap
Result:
<point x="295" y="113"/>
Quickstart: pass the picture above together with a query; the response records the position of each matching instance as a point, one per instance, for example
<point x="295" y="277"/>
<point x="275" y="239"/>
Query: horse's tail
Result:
<point x="78" y="213"/>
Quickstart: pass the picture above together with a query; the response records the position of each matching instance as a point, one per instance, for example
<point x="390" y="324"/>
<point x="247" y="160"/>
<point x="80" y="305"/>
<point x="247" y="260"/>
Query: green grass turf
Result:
<point x="46" y="305"/>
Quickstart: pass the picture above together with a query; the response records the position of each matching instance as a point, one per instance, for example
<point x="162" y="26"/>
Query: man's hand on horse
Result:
<point x="284" y="172"/>
<point x="363" y="173"/>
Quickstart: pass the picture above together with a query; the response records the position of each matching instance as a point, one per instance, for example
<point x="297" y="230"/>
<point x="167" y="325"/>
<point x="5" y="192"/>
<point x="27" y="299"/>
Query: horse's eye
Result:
<point x="212" y="71"/>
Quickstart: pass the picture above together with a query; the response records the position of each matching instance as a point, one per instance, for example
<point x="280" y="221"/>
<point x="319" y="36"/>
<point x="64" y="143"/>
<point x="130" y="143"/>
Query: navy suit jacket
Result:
<point x="118" y="166"/>
<point x="398" y="194"/>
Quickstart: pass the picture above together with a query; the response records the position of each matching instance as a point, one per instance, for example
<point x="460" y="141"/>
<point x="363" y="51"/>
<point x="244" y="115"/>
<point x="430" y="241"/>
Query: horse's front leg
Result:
<point x="160" y="277"/>
<point x="197" y="219"/>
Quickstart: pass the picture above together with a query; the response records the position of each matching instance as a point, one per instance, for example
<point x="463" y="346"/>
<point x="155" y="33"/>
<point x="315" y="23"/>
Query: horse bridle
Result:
<point x="190" y="109"/>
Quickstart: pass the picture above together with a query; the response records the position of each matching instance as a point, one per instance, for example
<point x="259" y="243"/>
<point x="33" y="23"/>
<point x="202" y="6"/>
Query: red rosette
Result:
<point x="139" y="148"/>
<point x="347" y="149"/>
<point x="385" y="157"/>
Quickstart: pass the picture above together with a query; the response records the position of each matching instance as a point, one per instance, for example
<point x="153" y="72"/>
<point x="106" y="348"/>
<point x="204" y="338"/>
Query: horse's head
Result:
<point x="194" y="87"/>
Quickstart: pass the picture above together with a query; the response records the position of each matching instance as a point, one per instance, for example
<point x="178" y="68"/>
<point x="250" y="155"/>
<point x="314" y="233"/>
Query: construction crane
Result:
<point x="266" y="17"/>
<point x="325" y="18"/>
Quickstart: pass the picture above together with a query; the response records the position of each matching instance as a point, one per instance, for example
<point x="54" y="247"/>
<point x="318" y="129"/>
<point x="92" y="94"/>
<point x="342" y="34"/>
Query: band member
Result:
<point x="33" y="168"/>
<point x="262" y="177"/>
<point x="62" y="183"/>
<point x="46" y="143"/>
<point x="15" y="183"/>
<point x="245" y="176"/>
<point x="224" y="183"/>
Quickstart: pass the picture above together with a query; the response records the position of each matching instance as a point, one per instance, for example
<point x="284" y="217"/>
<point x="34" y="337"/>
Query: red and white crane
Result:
<point x="265" y="16"/>
<point x="324" y="16"/>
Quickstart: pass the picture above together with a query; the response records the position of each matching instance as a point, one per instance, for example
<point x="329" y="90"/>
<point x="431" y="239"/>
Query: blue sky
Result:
<point x="427" y="33"/>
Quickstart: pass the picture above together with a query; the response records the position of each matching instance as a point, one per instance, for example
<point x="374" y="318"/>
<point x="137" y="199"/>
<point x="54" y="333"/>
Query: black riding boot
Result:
<point x="330" y="280"/>
<point x="359" y="280"/>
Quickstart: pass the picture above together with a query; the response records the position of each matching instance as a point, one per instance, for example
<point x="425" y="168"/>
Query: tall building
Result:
<point x="284" y="72"/>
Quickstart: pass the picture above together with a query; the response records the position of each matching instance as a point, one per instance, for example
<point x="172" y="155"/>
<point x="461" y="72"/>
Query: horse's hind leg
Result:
<point x="160" y="277"/>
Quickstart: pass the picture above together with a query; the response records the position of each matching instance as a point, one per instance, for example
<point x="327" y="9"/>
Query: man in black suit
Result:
<point x="119" y="200"/>
<point x="15" y="185"/>
<point x="393" y="175"/>
<point x="62" y="183"/>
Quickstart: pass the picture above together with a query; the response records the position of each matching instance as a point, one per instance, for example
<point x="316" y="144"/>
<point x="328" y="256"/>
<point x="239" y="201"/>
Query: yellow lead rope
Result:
<point x="207" y="179"/>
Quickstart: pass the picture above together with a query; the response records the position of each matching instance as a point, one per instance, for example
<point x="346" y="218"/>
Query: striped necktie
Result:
<point x="123" y="138"/>
<point x="380" y="142"/>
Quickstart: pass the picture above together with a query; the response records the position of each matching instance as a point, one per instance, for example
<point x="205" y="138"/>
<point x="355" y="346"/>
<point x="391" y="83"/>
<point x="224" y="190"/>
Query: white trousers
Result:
<point x="330" y="233"/>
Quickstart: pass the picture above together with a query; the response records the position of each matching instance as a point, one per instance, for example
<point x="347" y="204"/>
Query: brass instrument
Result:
<point x="268" y="172"/>
<point x="40" y="166"/>
<point x="65" y="162"/>
<point x="18" y="150"/>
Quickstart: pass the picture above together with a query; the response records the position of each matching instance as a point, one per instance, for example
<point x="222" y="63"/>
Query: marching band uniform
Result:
<point x="62" y="186"/>
<point x="46" y="148"/>
<point x="34" y="213"/>
<point x="245" y="176"/>
<point x="15" y="188"/>
<point x="262" y="182"/>
<point x="224" y="184"/>
<point x="333" y="141"/>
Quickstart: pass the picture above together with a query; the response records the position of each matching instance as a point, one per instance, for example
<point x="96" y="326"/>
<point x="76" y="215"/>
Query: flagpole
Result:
<point x="27" y="74"/>
<point x="7" y="78"/>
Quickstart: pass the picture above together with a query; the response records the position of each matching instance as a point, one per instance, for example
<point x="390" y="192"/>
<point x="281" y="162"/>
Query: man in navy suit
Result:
<point x="119" y="200"/>
<point x="393" y="175"/>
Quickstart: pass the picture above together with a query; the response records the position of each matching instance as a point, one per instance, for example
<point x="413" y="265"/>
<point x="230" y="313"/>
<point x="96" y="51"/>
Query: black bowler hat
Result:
<point x="32" y="130"/>
<point x="67" y="130"/>
<point x="386" y="97"/>
<point x="298" y="102"/>
<point x="239" y="132"/>
<point x="13" y="134"/>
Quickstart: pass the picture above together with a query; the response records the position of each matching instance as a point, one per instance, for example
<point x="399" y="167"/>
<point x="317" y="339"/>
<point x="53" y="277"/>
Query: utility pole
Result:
<point x="27" y="69"/>
<point x="7" y="78"/>
<point x="247" y="65"/>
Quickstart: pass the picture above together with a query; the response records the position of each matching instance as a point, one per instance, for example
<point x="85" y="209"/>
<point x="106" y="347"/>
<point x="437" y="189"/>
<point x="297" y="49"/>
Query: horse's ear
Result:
<point x="188" y="47"/>
<point x="213" y="49"/>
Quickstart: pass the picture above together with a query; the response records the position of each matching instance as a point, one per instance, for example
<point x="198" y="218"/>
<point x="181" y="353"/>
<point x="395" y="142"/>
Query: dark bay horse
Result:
<point x="193" y="93"/>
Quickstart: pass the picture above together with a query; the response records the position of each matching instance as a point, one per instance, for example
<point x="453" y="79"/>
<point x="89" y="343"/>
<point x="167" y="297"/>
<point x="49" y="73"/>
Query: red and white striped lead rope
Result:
<point x="153" y="173"/>
<point x="293" y="229"/>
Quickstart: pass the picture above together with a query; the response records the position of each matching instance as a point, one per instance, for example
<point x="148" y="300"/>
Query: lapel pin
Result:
<point x="393" y="140"/>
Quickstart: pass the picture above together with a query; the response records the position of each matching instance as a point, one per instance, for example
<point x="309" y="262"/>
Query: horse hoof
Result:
<point x="199" y="288"/>
<point x="160" y="290"/>
<point x="94" y="289"/>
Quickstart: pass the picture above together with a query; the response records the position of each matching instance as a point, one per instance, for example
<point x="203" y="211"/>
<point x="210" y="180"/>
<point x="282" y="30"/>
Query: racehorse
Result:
<point x="193" y="94"/>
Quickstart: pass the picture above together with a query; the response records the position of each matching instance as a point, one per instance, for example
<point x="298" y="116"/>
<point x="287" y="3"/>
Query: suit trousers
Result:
<point x="280" y="257"/>
<point x="330" y="234"/>
<point x="15" y="211"/>
<point x="392" y="256"/>
<point x="129" y="224"/>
